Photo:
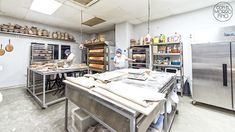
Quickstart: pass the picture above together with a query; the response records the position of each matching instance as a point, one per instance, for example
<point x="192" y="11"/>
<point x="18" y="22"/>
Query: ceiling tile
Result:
<point x="113" y="11"/>
<point x="66" y="12"/>
<point x="77" y="18"/>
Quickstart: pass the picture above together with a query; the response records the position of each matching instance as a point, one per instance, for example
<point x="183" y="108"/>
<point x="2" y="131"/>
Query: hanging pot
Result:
<point x="2" y="51"/>
<point x="9" y="47"/>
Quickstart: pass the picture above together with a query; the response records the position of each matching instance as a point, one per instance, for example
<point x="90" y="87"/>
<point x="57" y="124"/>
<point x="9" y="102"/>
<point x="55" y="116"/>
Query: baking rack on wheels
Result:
<point x="115" y="116"/>
<point x="38" y="88"/>
<point x="100" y="56"/>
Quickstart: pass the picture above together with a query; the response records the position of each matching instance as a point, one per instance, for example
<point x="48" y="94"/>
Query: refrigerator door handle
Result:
<point x="225" y="80"/>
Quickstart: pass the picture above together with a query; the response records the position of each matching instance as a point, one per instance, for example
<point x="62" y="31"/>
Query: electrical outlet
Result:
<point x="1" y="68"/>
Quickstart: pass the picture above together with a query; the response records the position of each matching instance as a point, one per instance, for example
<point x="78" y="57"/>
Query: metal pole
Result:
<point x="27" y="78"/>
<point x="151" y="57"/>
<point x="44" y="91"/>
<point x="66" y="115"/>
<point x="148" y="15"/>
<point x="33" y="83"/>
<point x="165" y="117"/>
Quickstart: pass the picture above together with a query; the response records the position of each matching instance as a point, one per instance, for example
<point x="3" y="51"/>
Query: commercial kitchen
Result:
<point x="117" y="66"/>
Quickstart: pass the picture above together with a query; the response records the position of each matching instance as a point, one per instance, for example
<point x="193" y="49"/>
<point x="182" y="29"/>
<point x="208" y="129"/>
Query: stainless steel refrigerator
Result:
<point x="213" y="69"/>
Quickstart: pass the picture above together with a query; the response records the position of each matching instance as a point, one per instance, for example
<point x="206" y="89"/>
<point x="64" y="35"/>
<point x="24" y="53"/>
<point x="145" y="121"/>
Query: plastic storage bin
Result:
<point x="81" y="121"/>
<point x="175" y="63"/>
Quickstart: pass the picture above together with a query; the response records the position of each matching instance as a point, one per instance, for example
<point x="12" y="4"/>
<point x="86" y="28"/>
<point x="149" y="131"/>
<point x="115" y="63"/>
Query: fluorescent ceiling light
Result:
<point x="45" y="6"/>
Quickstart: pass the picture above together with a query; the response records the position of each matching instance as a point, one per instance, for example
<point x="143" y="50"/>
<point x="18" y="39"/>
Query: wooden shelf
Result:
<point x="34" y="36"/>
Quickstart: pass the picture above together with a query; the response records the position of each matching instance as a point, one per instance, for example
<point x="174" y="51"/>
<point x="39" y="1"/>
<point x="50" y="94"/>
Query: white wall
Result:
<point x="123" y="34"/>
<point x="184" y="24"/>
<point x="108" y="35"/>
<point x="15" y="63"/>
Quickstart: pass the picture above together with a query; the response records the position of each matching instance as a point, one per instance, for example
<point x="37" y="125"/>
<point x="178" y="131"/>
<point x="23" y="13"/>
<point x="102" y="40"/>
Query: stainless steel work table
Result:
<point x="31" y="87"/>
<point x="115" y="116"/>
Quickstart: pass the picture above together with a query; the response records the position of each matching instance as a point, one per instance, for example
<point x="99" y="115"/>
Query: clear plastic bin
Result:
<point x="81" y="121"/>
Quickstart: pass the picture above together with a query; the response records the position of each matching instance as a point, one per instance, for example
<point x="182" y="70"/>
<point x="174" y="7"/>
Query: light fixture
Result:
<point x="45" y="6"/>
<point x="148" y="37"/>
<point x="81" y="46"/>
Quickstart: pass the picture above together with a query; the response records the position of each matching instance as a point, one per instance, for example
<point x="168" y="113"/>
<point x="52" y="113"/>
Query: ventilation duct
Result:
<point x="85" y="3"/>
<point x="93" y="21"/>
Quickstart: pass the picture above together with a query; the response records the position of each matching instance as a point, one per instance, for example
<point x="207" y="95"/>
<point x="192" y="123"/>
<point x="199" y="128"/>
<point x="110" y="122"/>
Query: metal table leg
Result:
<point x="165" y="117"/>
<point x="33" y="83"/>
<point x="66" y="115"/>
<point x="27" y="78"/>
<point x="44" y="92"/>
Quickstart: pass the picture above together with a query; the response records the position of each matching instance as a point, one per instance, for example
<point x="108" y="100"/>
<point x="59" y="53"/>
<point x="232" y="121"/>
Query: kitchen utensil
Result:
<point x="9" y="47"/>
<point x="2" y="51"/>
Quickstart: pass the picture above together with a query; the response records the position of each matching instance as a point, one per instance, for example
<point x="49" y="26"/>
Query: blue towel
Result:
<point x="159" y="122"/>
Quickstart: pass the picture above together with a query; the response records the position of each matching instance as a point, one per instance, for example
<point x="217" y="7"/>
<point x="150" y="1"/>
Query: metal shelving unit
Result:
<point x="158" y="57"/>
<point x="41" y="53"/>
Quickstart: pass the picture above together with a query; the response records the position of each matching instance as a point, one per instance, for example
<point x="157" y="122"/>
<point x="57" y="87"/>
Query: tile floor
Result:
<point x="20" y="113"/>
